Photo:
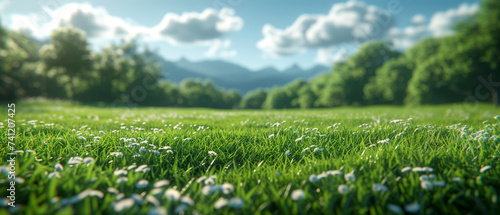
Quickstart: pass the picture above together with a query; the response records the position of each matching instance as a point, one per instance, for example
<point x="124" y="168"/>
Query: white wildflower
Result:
<point x="297" y="195"/>
<point x="379" y="188"/>
<point x="141" y="184"/>
<point x="121" y="180"/>
<point x="350" y="177"/>
<point x="343" y="189"/>
<point x="406" y="169"/>
<point x="394" y="208"/>
<point x="485" y="168"/>
<point x="236" y="203"/>
<point x="172" y="194"/>
<point x="161" y="183"/>
<point x="412" y="208"/>
<point x="222" y="202"/>
<point x="123" y="204"/>
<point x="426" y="185"/>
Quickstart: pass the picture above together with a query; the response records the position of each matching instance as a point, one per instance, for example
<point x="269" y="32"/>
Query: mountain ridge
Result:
<point x="230" y="75"/>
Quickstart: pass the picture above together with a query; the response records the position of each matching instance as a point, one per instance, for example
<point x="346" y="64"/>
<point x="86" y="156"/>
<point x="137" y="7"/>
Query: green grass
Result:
<point x="255" y="164"/>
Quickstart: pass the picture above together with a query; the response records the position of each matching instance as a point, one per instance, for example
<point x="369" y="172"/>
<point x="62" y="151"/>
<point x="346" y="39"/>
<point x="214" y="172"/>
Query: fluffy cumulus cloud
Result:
<point x="418" y="19"/>
<point x="330" y="55"/>
<point x="440" y="24"/>
<point x="205" y="28"/>
<point x="348" y="22"/>
<point x="198" y="27"/>
<point x="354" y="23"/>
<point x="4" y="4"/>
<point x="96" y="22"/>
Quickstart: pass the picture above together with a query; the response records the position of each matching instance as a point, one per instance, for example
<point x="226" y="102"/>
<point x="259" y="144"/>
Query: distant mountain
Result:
<point x="233" y="76"/>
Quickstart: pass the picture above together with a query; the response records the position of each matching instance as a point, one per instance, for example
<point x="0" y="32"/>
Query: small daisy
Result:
<point x="212" y="153"/>
<point x="350" y="176"/>
<point x="412" y="208"/>
<point x="384" y="141"/>
<point x="222" y="202"/>
<point x="113" y="190"/>
<point x="423" y="178"/>
<point x="123" y="204"/>
<point x="485" y="168"/>
<point x="439" y="183"/>
<point x="209" y="181"/>
<point x="187" y="201"/>
<point x="427" y="169"/>
<point x="75" y="160"/>
<point x="120" y="172"/>
<point x="313" y="178"/>
<point x="343" y="189"/>
<point x="297" y="195"/>
<point x="236" y="202"/>
<point x="406" y="169"/>
<point x="88" y="160"/>
<point x="379" y="188"/>
<point x="227" y="188"/>
<point x="426" y="185"/>
<point x="161" y="183"/>
<point x="141" y="184"/>
<point x="318" y="149"/>
<point x="121" y="180"/>
<point x="172" y="194"/>
<point x="394" y="208"/>
<point x="157" y="211"/>
<point x="54" y="175"/>
<point x="58" y="167"/>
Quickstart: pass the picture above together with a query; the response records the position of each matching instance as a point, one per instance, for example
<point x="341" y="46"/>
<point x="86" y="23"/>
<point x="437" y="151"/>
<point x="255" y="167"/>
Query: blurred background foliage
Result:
<point x="434" y="71"/>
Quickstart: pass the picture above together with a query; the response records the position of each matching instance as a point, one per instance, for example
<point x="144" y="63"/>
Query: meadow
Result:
<point x="74" y="159"/>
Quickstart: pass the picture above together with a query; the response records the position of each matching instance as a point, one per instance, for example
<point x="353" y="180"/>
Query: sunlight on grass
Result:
<point x="377" y="160"/>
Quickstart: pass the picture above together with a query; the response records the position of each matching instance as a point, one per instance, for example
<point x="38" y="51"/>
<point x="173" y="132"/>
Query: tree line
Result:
<point x="122" y="74"/>
<point x="457" y="68"/>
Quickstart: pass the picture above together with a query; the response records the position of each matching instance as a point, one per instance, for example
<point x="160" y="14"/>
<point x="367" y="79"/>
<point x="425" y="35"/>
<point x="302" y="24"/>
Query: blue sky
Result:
<point x="253" y="33"/>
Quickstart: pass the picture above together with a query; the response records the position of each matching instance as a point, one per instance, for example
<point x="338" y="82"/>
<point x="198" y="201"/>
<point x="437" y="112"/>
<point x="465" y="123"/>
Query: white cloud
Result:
<point x="326" y="56"/>
<point x="354" y="23"/>
<point x="221" y="48"/>
<point x="442" y="22"/>
<point x="440" y="25"/>
<point x="348" y="22"/>
<point x="193" y="28"/>
<point x="418" y="19"/>
<point x="404" y="38"/>
<point x="190" y="28"/>
<point x="96" y="22"/>
<point x="4" y="4"/>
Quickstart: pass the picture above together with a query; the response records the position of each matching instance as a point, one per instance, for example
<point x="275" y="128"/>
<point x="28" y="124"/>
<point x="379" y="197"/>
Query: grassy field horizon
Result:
<point x="350" y="160"/>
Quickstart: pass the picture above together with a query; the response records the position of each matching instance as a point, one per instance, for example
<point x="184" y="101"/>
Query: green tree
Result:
<point x="305" y="97"/>
<point x="69" y="54"/>
<point x="277" y="98"/>
<point x="254" y="99"/>
<point x="18" y="66"/>
<point x="390" y="82"/>
<point x="112" y="74"/>
<point x="349" y="77"/>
